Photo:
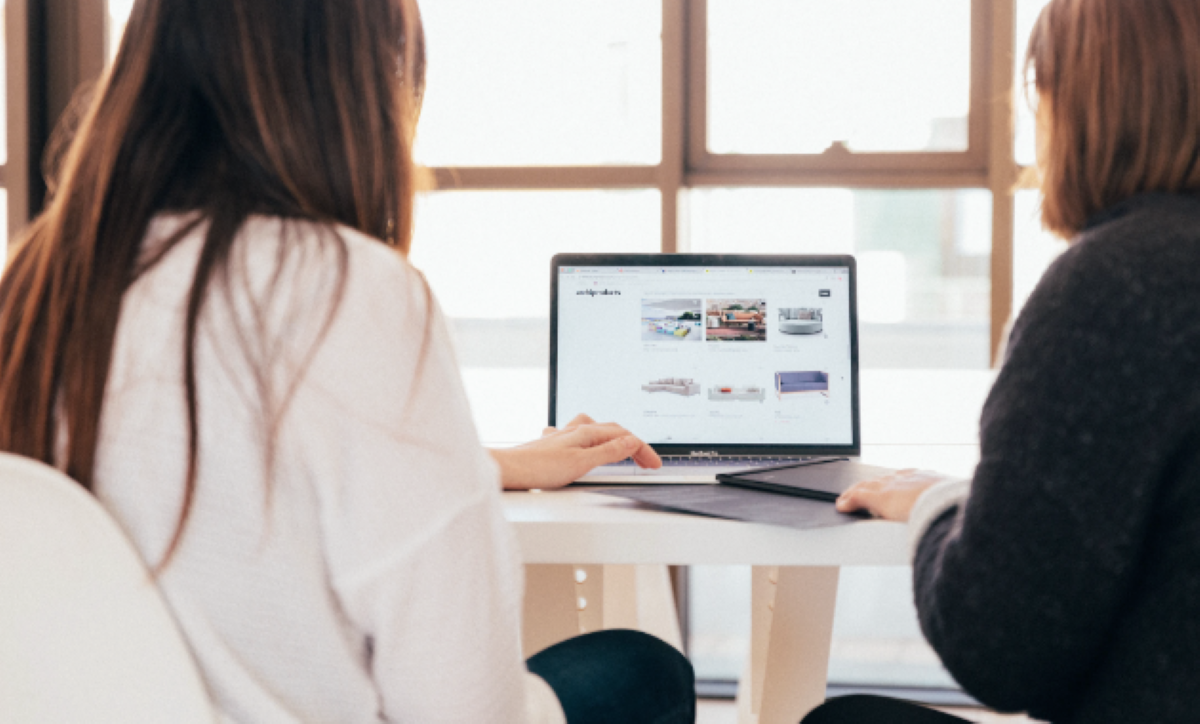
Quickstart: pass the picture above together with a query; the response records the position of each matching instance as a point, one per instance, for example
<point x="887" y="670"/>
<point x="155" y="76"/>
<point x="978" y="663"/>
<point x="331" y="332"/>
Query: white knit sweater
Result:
<point x="372" y="576"/>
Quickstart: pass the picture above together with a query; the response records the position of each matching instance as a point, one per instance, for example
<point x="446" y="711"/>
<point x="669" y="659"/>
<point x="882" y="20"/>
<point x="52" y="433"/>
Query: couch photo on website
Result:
<point x="792" y="383"/>
<point x="674" y="385"/>
<point x="736" y="320"/>
<point x="746" y="393"/>
<point x="671" y="320"/>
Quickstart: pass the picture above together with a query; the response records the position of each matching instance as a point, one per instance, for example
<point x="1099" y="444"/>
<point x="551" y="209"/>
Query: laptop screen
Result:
<point x="709" y="355"/>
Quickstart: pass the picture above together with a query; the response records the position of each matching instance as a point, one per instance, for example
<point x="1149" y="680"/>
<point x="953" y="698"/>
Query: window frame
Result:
<point x="988" y="163"/>
<point x="968" y="164"/>
<point x="52" y="48"/>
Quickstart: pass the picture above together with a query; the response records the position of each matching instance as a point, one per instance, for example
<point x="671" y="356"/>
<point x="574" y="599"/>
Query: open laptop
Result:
<point x="720" y="362"/>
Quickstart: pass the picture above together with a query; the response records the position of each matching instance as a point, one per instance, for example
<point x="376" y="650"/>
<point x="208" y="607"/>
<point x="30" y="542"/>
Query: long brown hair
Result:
<point x="301" y="109"/>
<point x="1122" y="80"/>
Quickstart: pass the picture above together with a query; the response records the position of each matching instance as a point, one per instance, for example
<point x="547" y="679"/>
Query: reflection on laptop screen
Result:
<point x="720" y="355"/>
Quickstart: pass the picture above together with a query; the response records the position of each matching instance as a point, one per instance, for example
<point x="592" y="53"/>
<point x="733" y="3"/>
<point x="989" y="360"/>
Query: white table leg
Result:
<point x="791" y="632"/>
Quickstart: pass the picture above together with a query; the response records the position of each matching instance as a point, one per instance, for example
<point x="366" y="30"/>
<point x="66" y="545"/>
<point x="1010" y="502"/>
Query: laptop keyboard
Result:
<point x="726" y="461"/>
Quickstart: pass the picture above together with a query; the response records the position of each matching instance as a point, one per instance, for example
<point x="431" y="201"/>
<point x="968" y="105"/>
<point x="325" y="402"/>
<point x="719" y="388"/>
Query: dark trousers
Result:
<point x="619" y="676"/>
<point x="864" y="709"/>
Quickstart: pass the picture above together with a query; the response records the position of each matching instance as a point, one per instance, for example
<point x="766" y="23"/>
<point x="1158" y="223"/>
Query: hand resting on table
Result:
<point x="891" y="497"/>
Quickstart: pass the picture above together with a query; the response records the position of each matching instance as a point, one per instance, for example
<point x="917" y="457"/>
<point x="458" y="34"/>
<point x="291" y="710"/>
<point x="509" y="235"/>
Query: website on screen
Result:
<point x="721" y="355"/>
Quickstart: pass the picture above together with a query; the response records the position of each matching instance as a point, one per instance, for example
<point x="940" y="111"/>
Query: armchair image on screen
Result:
<point x="795" y="383"/>
<point x="797" y="320"/>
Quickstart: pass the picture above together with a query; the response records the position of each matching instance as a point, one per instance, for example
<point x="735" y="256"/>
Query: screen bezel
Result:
<point x="715" y="260"/>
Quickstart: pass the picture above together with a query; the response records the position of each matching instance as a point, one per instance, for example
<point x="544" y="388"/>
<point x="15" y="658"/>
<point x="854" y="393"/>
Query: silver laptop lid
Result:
<point x="707" y="354"/>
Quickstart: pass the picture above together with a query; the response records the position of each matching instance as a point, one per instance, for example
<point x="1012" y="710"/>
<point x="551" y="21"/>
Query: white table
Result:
<point x="618" y="550"/>
<point x="915" y="418"/>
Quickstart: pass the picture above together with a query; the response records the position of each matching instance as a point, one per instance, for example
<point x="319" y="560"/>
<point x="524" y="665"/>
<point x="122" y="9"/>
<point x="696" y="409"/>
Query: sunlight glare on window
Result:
<point x="487" y="253"/>
<point x="882" y="287"/>
<point x="924" y="258"/>
<point x="1034" y="248"/>
<point x="3" y="91"/>
<point x="1027" y="15"/>
<point x="795" y="76"/>
<point x="542" y="82"/>
<point x="3" y="227"/>
<point x="118" y="15"/>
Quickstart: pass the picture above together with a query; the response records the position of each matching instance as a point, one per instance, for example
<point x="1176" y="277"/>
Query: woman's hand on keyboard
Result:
<point x="563" y="455"/>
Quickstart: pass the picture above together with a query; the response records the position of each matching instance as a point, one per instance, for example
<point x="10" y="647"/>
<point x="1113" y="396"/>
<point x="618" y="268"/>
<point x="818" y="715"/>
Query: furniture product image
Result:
<point x="747" y="394"/>
<point x="672" y="328"/>
<point x="736" y="320"/>
<point x="674" y="385"/>
<point x="800" y="321"/>
<point x="750" y="319"/>
<point x="787" y="383"/>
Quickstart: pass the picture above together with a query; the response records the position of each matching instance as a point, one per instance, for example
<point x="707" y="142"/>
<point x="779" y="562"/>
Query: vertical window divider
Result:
<point x="674" y="120"/>
<point x="53" y="47"/>
<point x="23" y="81"/>
<point x="697" y="82"/>
<point x="1002" y="166"/>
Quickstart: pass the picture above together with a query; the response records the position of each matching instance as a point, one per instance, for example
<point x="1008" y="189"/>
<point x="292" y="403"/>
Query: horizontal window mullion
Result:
<point x="874" y="179"/>
<point x="516" y="178"/>
<point x="967" y="161"/>
<point x="545" y="177"/>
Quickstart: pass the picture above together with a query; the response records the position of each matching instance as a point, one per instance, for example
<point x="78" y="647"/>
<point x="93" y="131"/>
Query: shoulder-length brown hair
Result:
<point x="1122" y="80"/>
<point x="301" y="109"/>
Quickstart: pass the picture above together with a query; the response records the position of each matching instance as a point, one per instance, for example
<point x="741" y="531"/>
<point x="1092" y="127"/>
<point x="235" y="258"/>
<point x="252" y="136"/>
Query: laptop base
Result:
<point x="684" y="470"/>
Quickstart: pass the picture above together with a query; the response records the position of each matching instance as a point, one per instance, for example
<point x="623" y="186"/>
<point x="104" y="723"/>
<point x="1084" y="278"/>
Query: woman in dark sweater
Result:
<point x="1064" y="579"/>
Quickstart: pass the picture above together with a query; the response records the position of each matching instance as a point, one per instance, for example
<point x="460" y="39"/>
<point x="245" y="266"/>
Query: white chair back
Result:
<point x="84" y="633"/>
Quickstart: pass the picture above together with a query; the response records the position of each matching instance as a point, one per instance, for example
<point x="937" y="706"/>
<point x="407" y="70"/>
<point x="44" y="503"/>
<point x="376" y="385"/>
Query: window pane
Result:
<point x="1034" y="248"/>
<point x="118" y="15"/>
<point x="532" y="82"/>
<point x="794" y="76"/>
<point x="487" y="256"/>
<point x="923" y="258"/>
<point x="542" y="82"/>
<point x="3" y="89"/>
<point x="3" y="227"/>
<point x="1027" y="14"/>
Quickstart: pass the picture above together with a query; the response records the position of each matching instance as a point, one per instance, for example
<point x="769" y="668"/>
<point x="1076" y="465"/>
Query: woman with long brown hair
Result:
<point x="1063" y="579"/>
<point x="213" y="328"/>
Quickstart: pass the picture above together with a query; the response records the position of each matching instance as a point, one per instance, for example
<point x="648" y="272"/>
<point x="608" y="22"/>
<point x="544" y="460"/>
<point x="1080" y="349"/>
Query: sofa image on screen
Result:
<point x="791" y="383"/>
<point x="674" y="385"/>
<point x="793" y="320"/>
<point x="674" y="329"/>
<point x="729" y="394"/>
<point x="672" y="320"/>
<point x="736" y="320"/>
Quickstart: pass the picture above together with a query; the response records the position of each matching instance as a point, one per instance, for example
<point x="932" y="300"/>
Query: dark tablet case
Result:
<point x="822" y="480"/>
<point x="796" y="496"/>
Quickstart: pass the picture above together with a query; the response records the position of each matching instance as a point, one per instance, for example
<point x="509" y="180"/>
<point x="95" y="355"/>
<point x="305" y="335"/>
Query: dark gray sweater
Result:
<point x="1068" y="584"/>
